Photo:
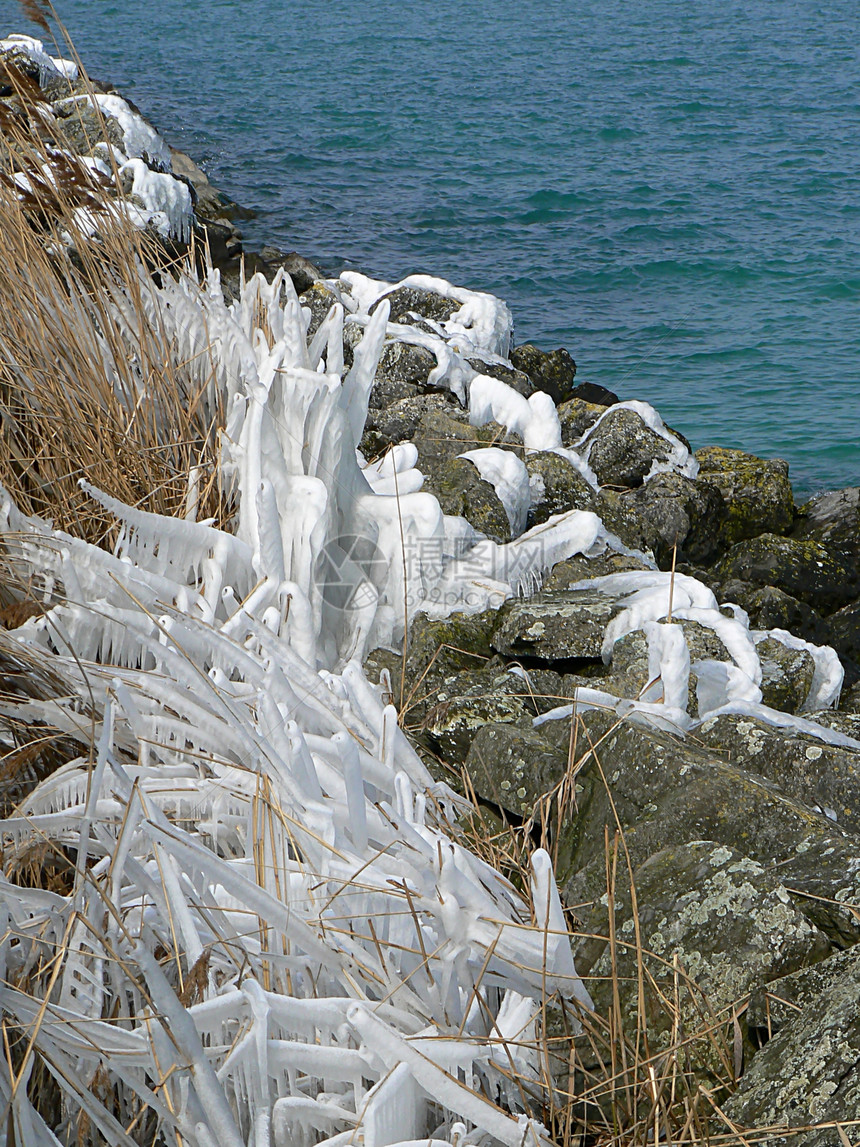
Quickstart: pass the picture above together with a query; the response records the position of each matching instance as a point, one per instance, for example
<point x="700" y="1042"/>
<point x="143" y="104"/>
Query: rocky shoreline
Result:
<point x="702" y="749"/>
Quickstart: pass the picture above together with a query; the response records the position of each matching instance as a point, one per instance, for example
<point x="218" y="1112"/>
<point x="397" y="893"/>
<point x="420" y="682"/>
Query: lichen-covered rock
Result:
<point x="803" y="568"/>
<point x="709" y="916"/>
<point x="756" y="492"/>
<point x="666" y="791"/>
<point x="807" y="1074"/>
<point x="844" y="628"/>
<point x="668" y="509"/>
<point x="551" y="371"/>
<point x="469" y="700"/>
<point x="555" y="626"/>
<point x="515" y="379"/>
<point x="566" y="574"/>
<point x="622" y="450"/>
<point x="399" y="422"/>
<point x="849" y="700"/>
<point x="440" y="648"/>
<point x="514" y="767"/>
<point x="409" y="305"/>
<point x="556" y="487"/>
<point x="576" y="416"/>
<point x="825" y="777"/>
<point x="319" y="300"/>
<point x="773" y="1006"/>
<point x="443" y="433"/>
<point x="833" y="519"/>
<point x="81" y="127"/>
<point x="786" y="675"/>
<point x="462" y="492"/>
<point x="402" y="372"/>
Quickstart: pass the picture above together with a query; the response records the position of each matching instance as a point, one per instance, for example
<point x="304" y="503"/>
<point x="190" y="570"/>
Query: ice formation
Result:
<point x="330" y="960"/>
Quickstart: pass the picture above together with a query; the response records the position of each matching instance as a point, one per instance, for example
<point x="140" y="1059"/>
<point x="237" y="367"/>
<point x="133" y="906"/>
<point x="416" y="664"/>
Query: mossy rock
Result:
<point x="566" y="574"/>
<point x="556" y="487"/>
<point x="844" y="628"/>
<point x="622" y="450"/>
<point x="756" y="492"/>
<point x="551" y="371"/>
<point x="409" y="305"/>
<point x="462" y="492"/>
<point x="444" y="433"/>
<point x="575" y="417"/>
<point x="438" y="649"/>
<point x="402" y="372"/>
<point x="514" y="767"/>
<point x="833" y="519"/>
<point x="629" y="669"/>
<point x="779" y="1002"/>
<point x="772" y="608"/>
<point x="668" y="510"/>
<point x="786" y="675"/>
<point x="399" y="422"/>
<point x="802" y="568"/>
<point x="807" y="1074"/>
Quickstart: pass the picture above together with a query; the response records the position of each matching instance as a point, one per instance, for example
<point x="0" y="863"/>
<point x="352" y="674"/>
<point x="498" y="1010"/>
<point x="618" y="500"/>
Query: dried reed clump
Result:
<point x="91" y="385"/>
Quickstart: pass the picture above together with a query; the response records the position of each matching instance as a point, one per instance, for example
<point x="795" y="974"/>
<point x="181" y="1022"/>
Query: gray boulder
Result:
<point x="399" y="422"/>
<point x="802" y="568"/>
<point x="668" y="509"/>
<point x="471" y="699"/>
<point x="576" y="416"/>
<point x="555" y="626"/>
<point x="833" y="520"/>
<point x="622" y="449"/>
<point x="566" y="574"/>
<point x="667" y="791"/>
<point x="556" y="487"/>
<point x="825" y="777"/>
<point x="462" y="492"/>
<point x="551" y="371"/>
<point x="514" y="768"/>
<point x="713" y="925"/>
<point x="411" y="305"/>
<point x="807" y="1076"/>
<point x="402" y="372"/>
<point x="515" y="379"/>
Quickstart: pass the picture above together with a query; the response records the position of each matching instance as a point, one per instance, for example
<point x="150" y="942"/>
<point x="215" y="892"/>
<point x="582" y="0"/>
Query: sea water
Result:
<point x="668" y="190"/>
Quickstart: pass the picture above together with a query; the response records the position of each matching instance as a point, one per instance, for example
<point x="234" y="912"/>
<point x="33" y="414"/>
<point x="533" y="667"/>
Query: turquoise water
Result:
<point x="669" y="190"/>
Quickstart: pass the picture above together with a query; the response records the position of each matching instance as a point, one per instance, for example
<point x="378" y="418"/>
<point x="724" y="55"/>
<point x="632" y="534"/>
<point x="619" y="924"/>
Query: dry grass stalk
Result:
<point x="91" y="386"/>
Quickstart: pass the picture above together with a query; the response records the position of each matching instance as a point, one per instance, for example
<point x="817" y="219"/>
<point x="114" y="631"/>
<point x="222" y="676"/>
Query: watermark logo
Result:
<point x="351" y="572"/>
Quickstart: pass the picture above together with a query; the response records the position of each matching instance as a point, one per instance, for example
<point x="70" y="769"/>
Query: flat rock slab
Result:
<point x="555" y="626"/>
<point x="825" y="777"/>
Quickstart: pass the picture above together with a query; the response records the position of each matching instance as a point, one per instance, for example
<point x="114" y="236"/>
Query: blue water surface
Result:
<point x="669" y="190"/>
